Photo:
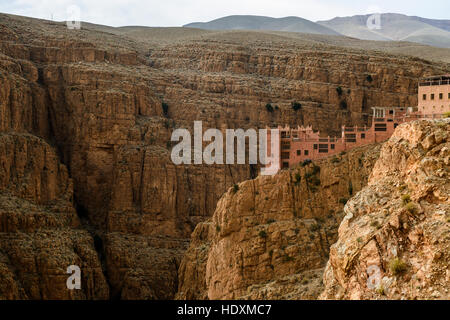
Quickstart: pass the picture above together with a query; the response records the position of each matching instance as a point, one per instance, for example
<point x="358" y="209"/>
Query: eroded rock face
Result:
<point x="394" y="241"/>
<point x="40" y="233"/>
<point x="97" y="97"/>
<point x="269" y="237"/>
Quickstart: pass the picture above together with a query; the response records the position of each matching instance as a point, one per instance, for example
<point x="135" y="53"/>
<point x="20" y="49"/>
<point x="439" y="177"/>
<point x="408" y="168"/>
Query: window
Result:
<point x="332" y="146"/>
<point x="391" y="111"/>
<point x="363" y="135"/>
<point x="441" y="96"/>
<point x="449" y="95"/>
<point x="306" y="152"/>
<point x="380" y="127"/>
<point x="299" y="152"/>
<point x="432" y="96"/>
<point x="285" y="165"/>
<point x="285" y="155"/>
<point x="315" y="147"/>
<point x="424" y="97"/>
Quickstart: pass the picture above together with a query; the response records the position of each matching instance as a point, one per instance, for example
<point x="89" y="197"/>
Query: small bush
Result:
<point x="314" y="227"/>
<point x="343" y="200"/>
<point x="266" y="198"/>
<point x="235" y="188"/>
<point x="381" y="291"/>
<point x="296" y="106"/>
<point x="350" y="188"/>
<point x="411" y="207"/>
<point x="269" y="221"/>
<point x="369" y="78"/>
<point x="397" y="266"/>
<point x="298" y="178"/>
<point x="339" y="91"/>
<point x="306" y="162"/>
<point x="165" y="108"/>
<point x="269" y="107"/>
<point x="217" y="228"/>
<point x="334" y="159"/>
<point x="262" y="234"/>
<point x="343" y="105"/>
<point x="375" y="224"/>
<point x="447" y="115"/>
<point x="406" y="198"/>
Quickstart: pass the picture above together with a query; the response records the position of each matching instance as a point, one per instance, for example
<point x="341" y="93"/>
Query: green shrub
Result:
<point x="269" y="221"/>
<point x="343" y="105"/>
<point x="165" y="108"/>
<point x="217" y="228"/>
<point x="375" y="224"/>
<point x="314" y="227"/>
<point x="343" y="200"/>
<point x="262" y="234"/>
<point x="235" y="188"/>
<point x="269" y="107"/>
<point x="397" y="266"/>
<point x="334" y="159"/>
<point x="296" y="106"/>
<point x="447" y="115"/>
<point x="350" y="188"/>
<point x="369" y="78"/>
<point x="406" y="198"/>
<point x="411" y="207"/>
<point x="339" y="91"/>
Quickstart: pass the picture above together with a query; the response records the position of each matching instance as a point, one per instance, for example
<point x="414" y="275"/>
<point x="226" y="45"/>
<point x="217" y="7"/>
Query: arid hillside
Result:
<point x="100" y="104"/>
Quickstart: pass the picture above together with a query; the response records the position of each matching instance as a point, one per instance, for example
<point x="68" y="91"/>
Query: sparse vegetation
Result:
<point x="375" y="224"/>
<point x="314" y="227"/>
<point x="217" y="228"/>
<point x="334" y="159"/>
<point x="262" y="234"/>
<point x="296" y="106"/>
<point x="369" y="78"/>
<point x="339" y="91"/>
<point x="411" y="207"/>
<point x="343" y="105"/>
<point x="397" y="266"/>
<point x="447" y="115"/>
<point x="350" y="187"/>
<point x="343" y="200"/>
<point x="165" y="108"/>
<point x="406" y="198"/>
<point x="235" y="188"/>
<point x="269" y="107"/>
<point x="381" y="291"/>
<point x="269" y="221"/>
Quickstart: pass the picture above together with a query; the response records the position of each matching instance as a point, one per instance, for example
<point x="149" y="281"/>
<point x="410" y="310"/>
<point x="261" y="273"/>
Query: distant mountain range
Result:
<point x="394" y="27"/>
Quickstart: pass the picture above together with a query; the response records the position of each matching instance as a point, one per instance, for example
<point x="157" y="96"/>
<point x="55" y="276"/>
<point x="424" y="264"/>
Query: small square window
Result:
<point x="363" y="135"/>
<point x="441" y="96"/>
<point x="299" y="152"/>
<point x="432" y="96"/>
<point x="332" y="146"/>
<point x="315" y="146"/>
<point x="306" y="152"/>
<point x="424" y="97"/>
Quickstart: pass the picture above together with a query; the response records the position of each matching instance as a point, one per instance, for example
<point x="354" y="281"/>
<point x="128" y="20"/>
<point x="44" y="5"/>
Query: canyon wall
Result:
<point x="107" y="105"/>
<point x="394" y="240"/>
<point x="269" y="237"/>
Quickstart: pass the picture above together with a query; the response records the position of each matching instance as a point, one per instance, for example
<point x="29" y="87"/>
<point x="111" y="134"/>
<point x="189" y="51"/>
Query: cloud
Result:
<point x="179" y="12"/>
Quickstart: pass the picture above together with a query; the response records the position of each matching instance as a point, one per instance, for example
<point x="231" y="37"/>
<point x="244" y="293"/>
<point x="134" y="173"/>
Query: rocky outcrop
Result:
<point x="40" y="233"/>
<point x="269" y="237"/>
<point x="394" y="240"/>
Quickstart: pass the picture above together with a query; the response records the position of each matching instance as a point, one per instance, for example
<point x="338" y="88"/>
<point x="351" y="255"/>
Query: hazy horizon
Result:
<point x="177" y="13"/>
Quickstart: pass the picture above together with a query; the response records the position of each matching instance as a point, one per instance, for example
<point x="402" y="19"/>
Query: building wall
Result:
<point x="439" y="104"/>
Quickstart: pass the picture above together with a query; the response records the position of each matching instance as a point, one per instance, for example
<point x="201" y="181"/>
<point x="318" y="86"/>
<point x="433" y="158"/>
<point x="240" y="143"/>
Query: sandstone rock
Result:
<point x="397" y="230"/>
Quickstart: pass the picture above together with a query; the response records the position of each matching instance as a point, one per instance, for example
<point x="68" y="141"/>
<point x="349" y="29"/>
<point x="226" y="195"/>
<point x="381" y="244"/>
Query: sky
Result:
<point x="166" y="13"/>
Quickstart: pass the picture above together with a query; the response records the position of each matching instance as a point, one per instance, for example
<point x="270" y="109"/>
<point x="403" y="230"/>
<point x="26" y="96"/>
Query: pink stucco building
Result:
<point x="299" y="144"/>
